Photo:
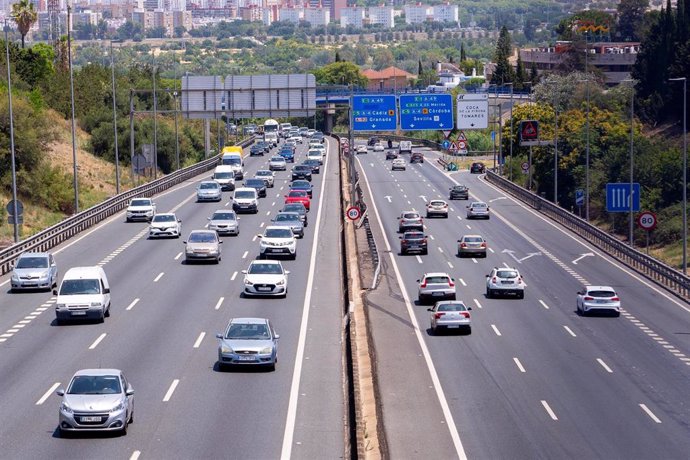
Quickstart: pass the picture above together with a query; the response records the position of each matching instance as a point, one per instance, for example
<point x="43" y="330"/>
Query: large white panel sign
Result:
<point x="472" y="111"/>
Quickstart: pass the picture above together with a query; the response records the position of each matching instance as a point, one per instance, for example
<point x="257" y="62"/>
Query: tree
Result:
<point x="463" y="55"/>
<point x="520" y="74"/>
<point x="337" y="56"/>
<point x="179" y="31"/>
<point x="24" y="15"/>
<point x="631" y="18"/>
<point x="504" y="72"/>
<point x="340" y="73"/>
<point x="420" y="70"/>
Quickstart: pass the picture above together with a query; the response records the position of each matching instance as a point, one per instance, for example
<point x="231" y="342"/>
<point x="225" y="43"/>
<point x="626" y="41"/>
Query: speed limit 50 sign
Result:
<point x="647" y="220"/>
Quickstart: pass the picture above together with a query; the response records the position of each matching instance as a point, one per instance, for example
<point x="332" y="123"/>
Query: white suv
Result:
<point x="505" y="281"/>
<point x="141" y="209"/>
<point x="245" y="199"/>
<point x="277" y="241"/>
<point x="436" y="286"/>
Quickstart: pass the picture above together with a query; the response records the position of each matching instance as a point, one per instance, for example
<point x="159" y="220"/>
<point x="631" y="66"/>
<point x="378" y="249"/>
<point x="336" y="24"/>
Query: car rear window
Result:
<point x="414" y="236"/>
<point x="473" y="239"/>
<point x="451" y="307"/>
<point x="297" y="193"/>
<point x="507" y="274"/>
<point x="602" y="294"/>
<point x="411" y="215"/>
<point x="437" y="279"/>
<point x="437" y="203"/>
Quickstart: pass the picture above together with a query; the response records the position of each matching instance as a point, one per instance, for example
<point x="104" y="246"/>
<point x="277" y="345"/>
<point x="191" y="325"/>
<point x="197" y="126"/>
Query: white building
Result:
<point x="317" y="16"/>
<point x="383" y="15"/>
<point x="352" y="16"/>
<point x="416" y="14"/>
<point x="291" y="14"/>
<point x="445" y="13"/>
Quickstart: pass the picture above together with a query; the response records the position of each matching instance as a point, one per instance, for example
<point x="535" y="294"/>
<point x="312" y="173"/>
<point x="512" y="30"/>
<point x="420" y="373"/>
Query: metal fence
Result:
<point x="71" y="226"/>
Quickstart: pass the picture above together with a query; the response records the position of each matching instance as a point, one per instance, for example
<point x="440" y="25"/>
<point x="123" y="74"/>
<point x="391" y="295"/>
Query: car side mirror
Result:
<point x="60" y="392"/>
<point x="184" y="242"/>
<point x="429" y="309"/>
<point x="244" y="272"/>
<point x="220" y="241"/>
<point x="130" y="390"/>
<point x="55" y="292"/>
<point x="287" y="272"/>
<point x="400" y="237"/>
<point x="258" y="235"/>
<point x="458" y="241"/>
<point x="219" y="336"/>
<point x="106" y="291"/>
<point x="418" y="281"/>
<point x="469" y="308"/>
<point x="452" y="279"/>
<point x="277" y="336"/>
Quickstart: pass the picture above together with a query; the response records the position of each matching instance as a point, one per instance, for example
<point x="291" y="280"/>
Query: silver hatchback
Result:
<point x="203" y="245"/>
<point x="224" y="222"/>
<point x="34" y="270"/>
<point x="251" y="341"/>
<point x="450" y="315"/>
<point x="209" y="190"/>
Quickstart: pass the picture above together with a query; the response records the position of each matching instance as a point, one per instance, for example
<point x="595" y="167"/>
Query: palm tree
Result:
<point x="24" y="16"/>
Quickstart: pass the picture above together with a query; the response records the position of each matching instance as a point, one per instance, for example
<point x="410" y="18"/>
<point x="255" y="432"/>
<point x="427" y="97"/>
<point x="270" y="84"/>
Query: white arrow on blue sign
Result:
<point x="618" y="197"/>
<point x="579" y="197"/>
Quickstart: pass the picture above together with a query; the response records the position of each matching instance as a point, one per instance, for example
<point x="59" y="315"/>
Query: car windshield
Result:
<point x="32" y="262"/>
<point x="601" y="294"/>
<point x="451" y="307"/>
<point x="208" y="185"/>
<point x="232" y="161"/>
<point x="302" y="168"/>
<point x="164" y="218"/>
<point x="278" y="160"/>
<point x="224" y="175"/>
<point x="141" y="203"/>
<point x="254" y="183"/>
<point x="202" y="237"/>
<point x="285" y="217"/>
<point x="248" y="332"/>
<point x="264" y="173"/>
<point x="473" y="239"/>
<point x="410" y="215"/>
<point x="264" y="268"/>
<point x="297" y="193"/>
<point x="78" y="287"/>
<point x="510" y="274"/>
<point x="278" y="233"/>
<point x="296" y="207"/>
<point x="315" y="153"/>
<point x="245" y="194"/>
<point x="223" y="216"/>
<point x="414" y="236"/>
<point x="437" y="279"/>
<point x="95" y="385"/>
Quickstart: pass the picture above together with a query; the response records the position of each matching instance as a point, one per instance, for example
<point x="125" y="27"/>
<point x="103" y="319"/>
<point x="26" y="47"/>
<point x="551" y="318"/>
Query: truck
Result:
<point x="271" y="126"/>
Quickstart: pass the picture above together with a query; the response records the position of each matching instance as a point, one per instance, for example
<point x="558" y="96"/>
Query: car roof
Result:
<point x="600" y="288"/>
<point x="274" y="227"/>
<point x="437" y="274"/>
<point x="209" y="182"/>
<point x="199" y="232"/>
<point x="473" y="236"/>
<point x="34" y="254"/>
<point x="245" y="189"/>
<point x="161" y="214"/>
<point x="224" y="211"/>
<point x="83" y="272"/>
<point x="97" y="372"/>
<point x="140" y="198"/>
<point x="265" y="171"/>
<point x="248" y="321"/>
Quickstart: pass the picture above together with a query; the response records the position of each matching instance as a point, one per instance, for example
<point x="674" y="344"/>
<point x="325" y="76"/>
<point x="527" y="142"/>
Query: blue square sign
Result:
<point x="374" y="112"/>
<point x="426" y="112"/>
<point x="618" y="197"/>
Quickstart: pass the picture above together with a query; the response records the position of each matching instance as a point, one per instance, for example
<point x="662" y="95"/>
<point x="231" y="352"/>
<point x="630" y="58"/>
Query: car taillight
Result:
<point x="451" y="283"/>
<point x="520" y="279"/>
<point x="463" y="245"/>
<point x="438" y="315"/>
<point x="493" y="280"/>
<point x="615" y="299"/>
<point x="424" y="284"/>
<point x="589" y="298"/>
<point x="445" y="205"/>
<point x="465" y="314"/>
<point x="424" y="240"/>
<point x="483" y="245"/>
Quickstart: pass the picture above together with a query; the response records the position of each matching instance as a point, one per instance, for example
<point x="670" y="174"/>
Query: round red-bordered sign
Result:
<point x="647" y="220"/>
<point x="352" y="213"/>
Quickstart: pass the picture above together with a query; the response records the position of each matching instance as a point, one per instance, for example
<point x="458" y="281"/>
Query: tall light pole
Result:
<point x="685" y="171"/>
<point x="117" y="151"/>
<point x="177" y="134"/>
<point x="71" y="90"/>
<point x="155" y="118"/>
<point x="555" y="142"/>
<point x="632" y="160"/>
<point x="15" y="210"/>
<point x="587" y="122"/>
<point x="511" y="128"/>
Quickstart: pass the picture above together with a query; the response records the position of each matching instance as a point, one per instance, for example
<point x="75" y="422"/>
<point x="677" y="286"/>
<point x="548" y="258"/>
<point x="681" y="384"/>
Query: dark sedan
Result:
<point x="413" y="242"/>
<point x="258" y="184"/>
<point x="301" y="172"/>
<point x="477" y="168"/>
<point x="459" y="192"/>
<point x="315" y="165"/>
<point x="302" y="185"/>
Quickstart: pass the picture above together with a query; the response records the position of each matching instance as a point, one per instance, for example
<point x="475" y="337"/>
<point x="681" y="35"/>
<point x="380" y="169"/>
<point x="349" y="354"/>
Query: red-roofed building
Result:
<point x="388" y="78"/>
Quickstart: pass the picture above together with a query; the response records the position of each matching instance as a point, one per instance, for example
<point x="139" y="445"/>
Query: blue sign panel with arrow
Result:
<point x="374" y="113"/>
<point x="424" y="112"/>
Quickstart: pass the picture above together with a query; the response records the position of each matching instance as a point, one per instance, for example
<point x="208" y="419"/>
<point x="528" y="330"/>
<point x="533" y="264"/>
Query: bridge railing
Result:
<point x="71" y="226"/>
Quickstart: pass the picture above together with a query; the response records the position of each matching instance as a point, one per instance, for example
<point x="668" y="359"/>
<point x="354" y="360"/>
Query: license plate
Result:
<point x="78" y="313"/>
<point x="602" y="301"/>
<point x="506" y="282"/>
<point x="90" y="419"/>
<point x="437" y="293"/>
<point x="246" y="358"/>
<point x="453" y="327"/>
<point x="276" y="250"/>
<point x="30" y="284"/>
<point x="264" y="289"/>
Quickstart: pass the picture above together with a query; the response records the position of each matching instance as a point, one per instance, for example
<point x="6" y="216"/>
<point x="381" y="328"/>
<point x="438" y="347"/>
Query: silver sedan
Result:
<point x="203" y="245"/>
<point x="224" y="222"/>
<point x="450" y="315"/>
<point x="251" y="341"/>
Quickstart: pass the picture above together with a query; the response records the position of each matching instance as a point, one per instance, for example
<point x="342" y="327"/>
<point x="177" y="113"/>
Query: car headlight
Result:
<point x="65" y="408"/>
<point x="95" y="304"/>
<point x="119" y="407"/>
<point x="280" y="283"/>
<point x="248" y="283"/>
<point x="226" y="349"/>
<point x="266" y="350"/>
<point x="15" y="277"/>
<point x="60" y="305"/>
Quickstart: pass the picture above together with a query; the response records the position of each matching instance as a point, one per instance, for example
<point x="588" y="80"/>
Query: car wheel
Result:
<point x="294" y="256"/>
<point x="427" y="215"/>
<point x="64" y="433"/>
<point x="102" y="317"/>
<point x="425" y="252"/>
<point x="107" y="312"/>
<point x="131" y="417"/>
<point x="453" y="297"/>
<point x="446" y="216"/>
<point x="521" y="295"/>
<point x="433" y="330"/>
<point x="488" y="293"/>
<point x="617" y="314"/>
<point x="468" y="330"/>
<point x="123" y="431"/>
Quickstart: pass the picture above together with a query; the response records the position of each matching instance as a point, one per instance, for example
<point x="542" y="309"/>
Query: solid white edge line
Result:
<point x="47" y="394"/>
<point x="131" y="305"/>
<point x="548" y="410"/>
<point x="97" y="341"/>
<point x="135" y="455"/>
<point x="498" y="333"/>
<point x="219" y="303"/>
<point x="450" y="423"/>
<point x="519" y="365"/>
<point x="291" y="417"/>
<point x="171" y="390"/>
<point x="569" y="331"/>
<point x="603" y="364"/>
<point x="650" y="413"/>
<point x="199" y="339"/>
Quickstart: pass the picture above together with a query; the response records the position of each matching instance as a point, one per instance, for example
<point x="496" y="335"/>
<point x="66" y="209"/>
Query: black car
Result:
<point x="299" y="208"/>
<point x="315" y="165"/>
<point x="302" y="185"/>
<point x="258" y="184"/>
<point x="413" y="242"/>
<point x="417" y="157"/>
<point x="459" y="192"/>
<point x="477" y="168"/>
<point x="391" y="155"/>
<point x="373" y="141"/>
<point x="256" y="150"/>
<point x="265" y="145"/>
<point x="301" y="172"/>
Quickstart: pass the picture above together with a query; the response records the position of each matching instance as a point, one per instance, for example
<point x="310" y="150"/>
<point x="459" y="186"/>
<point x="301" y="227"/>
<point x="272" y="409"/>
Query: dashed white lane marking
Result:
<point x="409" y="202"/>
<point x="440" y="249"/>
<point x="506" y="265"/>
<point x="449" y="264"/>
<point x="135" y="455"/>
<point x="268" y="213"/>
<point x="432" y="237"/>
<point x="171" y="390"/>
<point x="47" y="394"/>
<point x="419" y="259"/>
<point x="604" y="365"/>
<point x="178" y="256"/>
<point x="462" y="281"/>
<point x="650" y="413"/>
<point x="244" y="256"/>
<point x="543" y="304"/>
<point x="569" y="331"/>
<point x="474" y="260"/>
<point x="131" y="305"/>
<point x="273" y="204"/>
<point x="476" y="302"/>
<point x="234" y="275"/>
<point x="199" y="339"/>
<point x="459" y="218"/>
<point x="261" y="225"/>
<point x="468" y="226"/>
<point x="519" y="365"/>
<point x="97" y="341"/>
<point x="491" y="250"/>
<point x="549" y="410"/>
<point x="160" y="275"/>
<point x="498" y="333"/>
<point x="220" y="302"/>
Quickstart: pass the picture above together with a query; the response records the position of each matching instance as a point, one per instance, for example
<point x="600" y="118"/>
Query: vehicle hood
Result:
<point x="208" y="191"/>
<point x="264" y="278"/>
<point x="277" y="241"/>
<point x="202" y="246"/>
<point x="81" y="299"/>
<point x="292" y="224"/>
<point x="139" y="208"/>
<point x="32" y="273"/>
<point x="238" y="345"/>
<point x="163" y="225"/>
<point x="92" y="403"/>
<point x="230" y="223"/>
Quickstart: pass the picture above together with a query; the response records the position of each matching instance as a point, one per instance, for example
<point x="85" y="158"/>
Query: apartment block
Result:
<point x="352" y="16"/>
<point x="317" y="16"/>
<point x="418" y="13"/>
<point x="251" y="13"/>
<point x="445" y="13"/>
<point x="384" y="15"/>
<point x="291" y="14"/>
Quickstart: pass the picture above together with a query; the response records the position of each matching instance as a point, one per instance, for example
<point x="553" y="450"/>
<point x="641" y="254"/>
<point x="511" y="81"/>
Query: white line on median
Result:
<point x="48" y="393"/>
<point x="650" y="413"/>
<point x="548" y="410"/>
<point x="498" y="333"/>
<point x="603" y="364"/>
<point x="543" y="304"/>
<point x="468" y="226"/>
<point x="198" y="340"/>
<point x="160" y="275"/>
<point x="131" y="305"/>
<point x="569" y="331"/>
<point x="97" y="341"/>
<point x="519" y="365"/>
<point x="171" y="390"/>
<point x="220" y="302"/>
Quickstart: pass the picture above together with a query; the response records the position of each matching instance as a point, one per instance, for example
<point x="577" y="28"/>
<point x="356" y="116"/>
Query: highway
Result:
<point x="534" y="379"/>
<point x="161" y="333"/>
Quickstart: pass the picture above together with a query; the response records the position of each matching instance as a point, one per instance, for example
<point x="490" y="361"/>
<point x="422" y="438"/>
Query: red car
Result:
<point x="298" y="196"/>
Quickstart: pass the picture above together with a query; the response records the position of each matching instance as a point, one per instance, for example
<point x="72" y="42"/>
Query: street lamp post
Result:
<point x="555" y="142"/>
<point x="511" y="131"/>
<point x="587" y="122"/>
<point x="117" y="152"/>
<point x="74" y="130"/>
<point x="155" y="118"/>
<point x="685" y="171"/>
<point x="632" y="160"/>
<point x="15" y="206"/>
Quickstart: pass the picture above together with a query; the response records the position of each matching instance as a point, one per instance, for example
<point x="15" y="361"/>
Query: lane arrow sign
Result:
<point x="587" y="254"/>
<point x="388" y="198"/>
<point x="422" y="197"/>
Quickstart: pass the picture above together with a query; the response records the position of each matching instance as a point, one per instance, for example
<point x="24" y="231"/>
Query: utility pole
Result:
<point x="74" y="129"/>
<point x="177" y="134"/>
<point x="685" y="171"/>
<point x="632" y="160"/>
<point x="155" y="119"/>
<point x="15" y="210"/>
<point x="117" y="152"/>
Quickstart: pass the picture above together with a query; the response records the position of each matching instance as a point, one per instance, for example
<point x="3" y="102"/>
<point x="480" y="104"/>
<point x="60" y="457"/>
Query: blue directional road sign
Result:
<point x="618" y="197"/>
<point x="579" y="197"/>
<point x="423" y="112"/>
<point x="373" y="112"/>
<point x="445" y="144"/>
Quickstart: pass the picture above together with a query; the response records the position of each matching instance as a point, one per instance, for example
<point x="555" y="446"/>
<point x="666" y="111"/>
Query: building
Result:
<point x="352" y="16"/>
<point x="250" y="13"/>
<point x="291" y="14"/>
<point x="390" y="78"/>
<point x="182" y="19"/>
<point x="445" y="13"/>
<point x="86" y="17"/>
<point x="383" y="15"/>
<point x="164" y="19"/>
<point x="418" y="13"/>
<point x="317" y="16"/>
<point x="614" y="60"/>
<point x="334" y="6"/>
<point x="143" y="18"/>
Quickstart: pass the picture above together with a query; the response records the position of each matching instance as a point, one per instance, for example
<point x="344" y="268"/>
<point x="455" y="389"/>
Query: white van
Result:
<point x="234" y="160"/>
<point x="405" y="146"/>
<point x="285" y="129"/>
<point x="225" y="176"/>
<point x="271" y="138"/>
<point x="245" y="199"/>
<point x="84" y="294"/>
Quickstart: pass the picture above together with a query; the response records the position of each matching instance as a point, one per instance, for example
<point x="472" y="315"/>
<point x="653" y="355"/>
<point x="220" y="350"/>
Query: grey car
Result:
<point x="300" y="209"/>
<point x="477" y="210"/>
<point x="291" y="220"/>
<point x="410" y="220"/>
<point x="209" y="190"/>
<point x="251" y="341"/>
<point x="34" y="270"/>
<point x="224" y="222"/>
<point x="450" y="315"/>
<point x="96" y="400"/>
<point x="203" y="245"/>
<point x="267" y="176"/>
<point x="472" y="245"/>
<point x="277" y="163"/>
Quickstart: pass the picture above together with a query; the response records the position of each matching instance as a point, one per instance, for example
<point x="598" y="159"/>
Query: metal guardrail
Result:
<point x="654" y="269"/>
<point x="71" y="226"/>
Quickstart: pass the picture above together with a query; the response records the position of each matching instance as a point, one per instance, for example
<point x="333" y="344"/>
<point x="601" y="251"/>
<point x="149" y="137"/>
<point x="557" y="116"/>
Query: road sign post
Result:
<point x="374" y="113"/>
<point x="426" y="112"/>
<point x="618" y="197"/>
<point x="353" y="213"/>
<point x="472" y="111"/>
<point x="647" y="221"/>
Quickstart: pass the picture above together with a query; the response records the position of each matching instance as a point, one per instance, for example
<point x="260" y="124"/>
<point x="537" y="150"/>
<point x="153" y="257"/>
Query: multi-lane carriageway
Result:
<point x="534" y="380"/>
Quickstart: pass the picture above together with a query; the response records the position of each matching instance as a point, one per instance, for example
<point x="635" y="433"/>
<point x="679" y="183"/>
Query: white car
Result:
<point x="166" y="224"/>
<point x="267" y="175"/>
<point x="361" y="149"/>
<point x="277" y="241"/>
<point x="478" y="210"/>
<point x="315" y="155"/>
<point x="140" y="209"/>
<point x="295" y="139"/>
<point x="265" y="277"/>
<point x="320" y="147"/>
<point x="399" y="163"/>
<point x="437" y="208"/>
<point x="209" y="190"/>
<point x="378" y="147"/>
<point x="598" y="298"/>
<point x="277" y="163"/>
<point x="452" y="314"/>
<point x="436" y="286"/>
<point x="503" y="281"/>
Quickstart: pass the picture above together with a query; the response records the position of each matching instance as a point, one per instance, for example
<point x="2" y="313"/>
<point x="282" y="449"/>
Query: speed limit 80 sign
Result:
<point x="647" y="220"/>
